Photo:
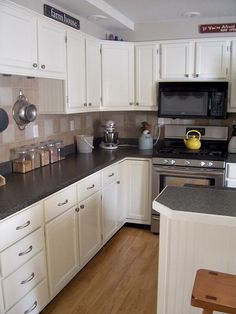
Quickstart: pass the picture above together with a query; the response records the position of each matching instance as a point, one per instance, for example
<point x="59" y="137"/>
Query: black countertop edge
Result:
<point x="23" y="190"/>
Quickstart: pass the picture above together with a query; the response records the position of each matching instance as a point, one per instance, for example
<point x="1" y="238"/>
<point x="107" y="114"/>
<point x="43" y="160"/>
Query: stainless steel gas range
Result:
<point x="175" y="165"/>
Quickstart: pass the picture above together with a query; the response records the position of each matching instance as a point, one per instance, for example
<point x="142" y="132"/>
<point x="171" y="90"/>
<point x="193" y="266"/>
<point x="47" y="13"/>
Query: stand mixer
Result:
<point x="110" y="137"/>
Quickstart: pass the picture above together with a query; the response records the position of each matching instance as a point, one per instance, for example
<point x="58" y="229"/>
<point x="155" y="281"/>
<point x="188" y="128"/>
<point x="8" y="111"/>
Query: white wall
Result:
<point x="185" y="28"/>
<point x="85" y="25"/>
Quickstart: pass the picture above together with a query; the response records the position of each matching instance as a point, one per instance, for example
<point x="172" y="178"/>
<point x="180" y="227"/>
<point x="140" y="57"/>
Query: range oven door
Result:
<point x="178" y="176"/>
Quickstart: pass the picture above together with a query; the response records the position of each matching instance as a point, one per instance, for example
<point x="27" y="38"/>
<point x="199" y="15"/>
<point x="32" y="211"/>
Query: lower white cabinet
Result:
<point x="230" y="175"/>
<point x="138" y="191"/>
<point x="89" y="227"/>
<point x="33" y="302"/>
<point x="62" y="250"/>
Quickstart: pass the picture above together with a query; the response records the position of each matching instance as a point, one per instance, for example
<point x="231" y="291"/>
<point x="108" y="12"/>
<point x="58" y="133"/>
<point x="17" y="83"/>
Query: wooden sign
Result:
<point x="61" y="16"/>
<point x="218" y="28"/>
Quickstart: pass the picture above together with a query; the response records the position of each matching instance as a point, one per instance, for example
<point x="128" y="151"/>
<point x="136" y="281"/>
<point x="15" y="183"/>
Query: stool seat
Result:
<point x="214" y="291"/>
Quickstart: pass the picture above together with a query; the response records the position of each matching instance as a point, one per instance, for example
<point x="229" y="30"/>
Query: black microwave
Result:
<point x="192" y="100"/>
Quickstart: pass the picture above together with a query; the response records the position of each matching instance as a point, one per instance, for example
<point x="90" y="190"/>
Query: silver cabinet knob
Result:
<point x="137" y="104"/>
<point x="197" y="75"/>
<point x="90" y="104"/>
<point x="77" y="209"/>
<point x="118" y="182"/>
<point x="81" y="206"/>
<point x="43" y="66"/>
<point x="186" y="75"/>
<point x="131" y="103"/>
<point x="85" y="104"/>
<point x="35" y="65"/>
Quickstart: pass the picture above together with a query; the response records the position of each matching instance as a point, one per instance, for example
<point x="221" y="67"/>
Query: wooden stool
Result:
<point x="214" y="291"/>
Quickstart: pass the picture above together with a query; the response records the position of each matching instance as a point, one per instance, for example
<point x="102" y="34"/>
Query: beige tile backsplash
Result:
<point x="58" y="126"/>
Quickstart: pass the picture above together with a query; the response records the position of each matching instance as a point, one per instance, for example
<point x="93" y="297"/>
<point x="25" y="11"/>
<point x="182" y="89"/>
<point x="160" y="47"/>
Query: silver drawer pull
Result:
<point x="31" y="308"/>
<point x="111" y="175"/>
<point x="63" y="203"/>
<point x="23" y="226"/>
<point x="26" y="251"/>
<point x="31" y="277"/>
<point x="90" y="187"/>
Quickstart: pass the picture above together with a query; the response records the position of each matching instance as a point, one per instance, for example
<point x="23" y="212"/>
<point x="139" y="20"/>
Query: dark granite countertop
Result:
<point x="22" y="190"/>
<point x="205" y="200"/>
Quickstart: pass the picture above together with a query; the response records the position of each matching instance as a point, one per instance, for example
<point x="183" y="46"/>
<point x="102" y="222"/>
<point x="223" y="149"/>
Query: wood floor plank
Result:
<point x="121" y="278"/>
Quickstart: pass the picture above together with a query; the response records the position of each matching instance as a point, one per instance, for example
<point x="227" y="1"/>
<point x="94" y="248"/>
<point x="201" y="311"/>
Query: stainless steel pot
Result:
<point x="23" y="111"/>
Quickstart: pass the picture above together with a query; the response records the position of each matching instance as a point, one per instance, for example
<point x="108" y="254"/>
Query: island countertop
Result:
<point x="209" y="204"/>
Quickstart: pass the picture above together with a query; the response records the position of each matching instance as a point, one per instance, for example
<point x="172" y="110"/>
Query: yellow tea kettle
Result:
<point x="192" y="142"/>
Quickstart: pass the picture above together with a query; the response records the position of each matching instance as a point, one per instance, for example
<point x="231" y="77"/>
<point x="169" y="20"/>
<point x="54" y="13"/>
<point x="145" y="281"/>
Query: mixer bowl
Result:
<point x="111" y="137"/>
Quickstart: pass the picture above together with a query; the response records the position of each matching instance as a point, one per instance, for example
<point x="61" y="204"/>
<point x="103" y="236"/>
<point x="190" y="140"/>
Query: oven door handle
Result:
<point x="188" y="171"/>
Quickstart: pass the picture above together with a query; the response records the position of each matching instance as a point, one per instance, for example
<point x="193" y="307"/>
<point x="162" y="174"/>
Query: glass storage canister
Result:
<point x="34" y="156"/>
<point x="60" y="149"/>
<point x="44" y="155"/>
<point x="21" y="162"/>
<point x="52" y="151"/>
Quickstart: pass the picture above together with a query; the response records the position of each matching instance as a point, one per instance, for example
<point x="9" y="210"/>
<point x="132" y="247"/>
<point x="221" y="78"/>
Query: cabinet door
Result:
<point x="122" y="193"/>
<point x="212" y="59"/>
<point x="109" y="210"/>
<point x="62" y="250"/>
<point x="51" y="49"/>
<point x="175" y="60"/>
<point x="76" y="98"/>
<point x="232" y="83"/>
<point x="93" y="73"/>
<point x="90" y="227"/>
<point x="117" y="76"/>
<point x="138" y="177"/>
<point x="146" y="76"/>
<point x="18" y="41"/>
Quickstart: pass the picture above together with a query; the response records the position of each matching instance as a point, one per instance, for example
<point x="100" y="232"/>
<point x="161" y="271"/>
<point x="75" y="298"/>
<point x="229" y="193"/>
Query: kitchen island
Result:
<point x="197" y="230"/>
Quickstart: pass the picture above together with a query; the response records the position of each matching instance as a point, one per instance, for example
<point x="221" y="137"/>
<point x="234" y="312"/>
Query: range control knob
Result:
<point x="172" y="161"/>
<point x="210" y="164"/>
<point x="165" y="161"/>
<point x="202" y="163"/>
<point x="187" y="162"/>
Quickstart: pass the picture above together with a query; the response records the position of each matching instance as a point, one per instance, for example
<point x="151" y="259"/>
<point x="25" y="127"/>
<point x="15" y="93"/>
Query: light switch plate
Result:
<point x="35" y="130"/>
<point x="72" y="125"/>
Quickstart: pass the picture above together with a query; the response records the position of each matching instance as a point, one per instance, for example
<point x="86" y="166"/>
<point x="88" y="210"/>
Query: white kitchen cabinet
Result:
<point x="230" y="174"/>
<point x="62" y="250"/>
<point x="195" y="59"/>
<point x="212" y="59"/>
<point x="117" y="76"/>
<point x="89" y="226"/>
<point x="18" y="40"/>
<point x="146" y="74"/>
<point x="175" y="60"/>
<point x="93" y="74"/>
<point x="138" y="189"/>
<point x="122" y="200"/>
<point x="232" y="82"/>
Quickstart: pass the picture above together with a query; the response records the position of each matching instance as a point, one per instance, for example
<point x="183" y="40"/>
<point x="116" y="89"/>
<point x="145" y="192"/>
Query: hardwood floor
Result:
<point x="121" y="278"/>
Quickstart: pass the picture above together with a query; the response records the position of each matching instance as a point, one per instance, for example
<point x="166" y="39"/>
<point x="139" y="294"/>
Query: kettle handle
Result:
<point x="196" y="131"/>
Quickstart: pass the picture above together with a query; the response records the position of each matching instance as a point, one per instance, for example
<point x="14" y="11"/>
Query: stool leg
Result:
<point x="207" y="312"/>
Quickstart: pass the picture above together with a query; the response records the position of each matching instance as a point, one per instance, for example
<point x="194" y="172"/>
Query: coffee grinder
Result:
<point x="110" y="136"/>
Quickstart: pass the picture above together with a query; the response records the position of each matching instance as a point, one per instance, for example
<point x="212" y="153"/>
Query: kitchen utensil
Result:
<point x="193" y="142"/>
<point x="4" y="120"/>
<point x="23" y="111"/>
<point x="110" y="137"/>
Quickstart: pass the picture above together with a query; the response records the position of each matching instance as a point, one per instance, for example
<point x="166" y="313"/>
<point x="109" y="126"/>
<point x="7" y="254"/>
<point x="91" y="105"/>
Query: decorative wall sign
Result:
<point x="61" y="16"/>
<point x="218" y="28"/>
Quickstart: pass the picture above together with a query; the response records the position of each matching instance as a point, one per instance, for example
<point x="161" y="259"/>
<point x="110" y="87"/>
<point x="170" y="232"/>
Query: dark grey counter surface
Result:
<point x="205" y="200"/>
<point x="23" y="190"/>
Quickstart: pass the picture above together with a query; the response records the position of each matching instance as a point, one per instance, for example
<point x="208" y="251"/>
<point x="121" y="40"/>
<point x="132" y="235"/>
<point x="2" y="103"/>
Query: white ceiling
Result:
<point x="124" y="14"/>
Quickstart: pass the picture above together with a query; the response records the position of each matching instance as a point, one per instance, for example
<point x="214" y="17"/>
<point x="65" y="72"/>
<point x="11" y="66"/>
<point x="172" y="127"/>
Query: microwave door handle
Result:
<point x="210" y="102"/>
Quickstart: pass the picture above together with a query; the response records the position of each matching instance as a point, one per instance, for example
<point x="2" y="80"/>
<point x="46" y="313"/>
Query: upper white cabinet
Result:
<point x="194" y="60"/>
<point x="117" y="76"/>
<point x="29" y="42"/>
<point x="232" y="82"/>
<point x="51" y="49"/>
<point x="175" y="61"/>
<point x="146" y="71"/>
<point x="76" y="94"/>
<point x="18" y="41"/>
<point x="212" y="59"/>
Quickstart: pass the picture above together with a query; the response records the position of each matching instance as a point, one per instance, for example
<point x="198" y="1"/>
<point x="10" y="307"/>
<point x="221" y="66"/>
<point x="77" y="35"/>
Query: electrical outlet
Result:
<point x="72" y="125"/>
<point x="35" y="130"/>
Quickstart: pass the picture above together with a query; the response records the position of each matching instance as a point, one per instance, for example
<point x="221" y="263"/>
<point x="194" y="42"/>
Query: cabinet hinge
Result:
<point x="157" y="51"/>
<point x="100" y="50"/>
<point x="65" y="39"/>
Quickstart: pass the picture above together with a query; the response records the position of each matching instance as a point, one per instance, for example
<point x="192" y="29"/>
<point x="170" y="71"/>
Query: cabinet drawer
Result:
<point x="20" y="225"/>
<point x="33" y="302"/>
<point x="88" y="186"/>
<point x="231" y="170"/>
<point x="230" y="183"/>
<point x="60" y="202"/>
<point x="21" y="252"/>
<point x="23" y="280"/>
<point x="109" y="174"/>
